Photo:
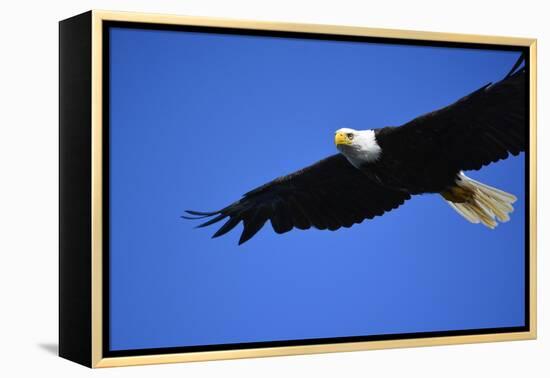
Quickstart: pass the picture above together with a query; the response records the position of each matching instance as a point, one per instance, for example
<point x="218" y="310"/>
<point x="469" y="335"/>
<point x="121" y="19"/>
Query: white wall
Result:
<point x="28" y="207"/>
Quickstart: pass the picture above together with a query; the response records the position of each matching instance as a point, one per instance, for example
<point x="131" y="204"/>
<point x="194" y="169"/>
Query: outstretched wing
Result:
<point x="326" y="195"/>
<point x="482" y="127"/>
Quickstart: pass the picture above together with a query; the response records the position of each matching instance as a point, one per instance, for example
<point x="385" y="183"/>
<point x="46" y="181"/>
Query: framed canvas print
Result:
<point x="236" y="189"/>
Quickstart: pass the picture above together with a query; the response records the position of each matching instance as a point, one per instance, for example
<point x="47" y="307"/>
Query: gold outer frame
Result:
<point x="97" y="181"/>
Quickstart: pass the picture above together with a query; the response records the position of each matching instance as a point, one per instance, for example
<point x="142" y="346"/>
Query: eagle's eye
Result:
<point x="350" y="136"/>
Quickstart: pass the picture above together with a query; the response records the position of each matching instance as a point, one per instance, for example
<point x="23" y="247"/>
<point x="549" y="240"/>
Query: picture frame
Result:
<point x="85" y="109"/>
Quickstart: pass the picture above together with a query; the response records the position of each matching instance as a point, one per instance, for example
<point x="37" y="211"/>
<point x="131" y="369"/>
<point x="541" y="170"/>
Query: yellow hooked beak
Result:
<point x="341" y="138"/>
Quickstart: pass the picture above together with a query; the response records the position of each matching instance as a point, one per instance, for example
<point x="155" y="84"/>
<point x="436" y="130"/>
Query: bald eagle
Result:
<point x="377" y="170"/>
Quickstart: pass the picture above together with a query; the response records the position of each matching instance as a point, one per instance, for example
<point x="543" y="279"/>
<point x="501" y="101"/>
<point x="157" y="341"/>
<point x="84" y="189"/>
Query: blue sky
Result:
<point x="199" y="119"/>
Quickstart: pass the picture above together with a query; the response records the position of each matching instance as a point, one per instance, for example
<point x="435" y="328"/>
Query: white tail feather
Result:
<point x="486" y="205"/>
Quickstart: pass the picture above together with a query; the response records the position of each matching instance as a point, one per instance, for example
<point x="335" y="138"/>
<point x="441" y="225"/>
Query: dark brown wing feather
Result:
<point x="326" y="195"/>
<point x="479" y="129"/>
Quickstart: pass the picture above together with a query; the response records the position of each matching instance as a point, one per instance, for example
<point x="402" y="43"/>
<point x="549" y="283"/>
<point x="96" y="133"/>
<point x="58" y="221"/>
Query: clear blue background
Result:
<point x="199" y="119"/>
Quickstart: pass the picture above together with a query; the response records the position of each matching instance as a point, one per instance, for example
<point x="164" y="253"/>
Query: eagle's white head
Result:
<point x="358" y="146"/>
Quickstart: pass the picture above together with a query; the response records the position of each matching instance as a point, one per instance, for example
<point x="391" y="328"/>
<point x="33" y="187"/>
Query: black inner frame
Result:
<point x="266" y="344"/>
